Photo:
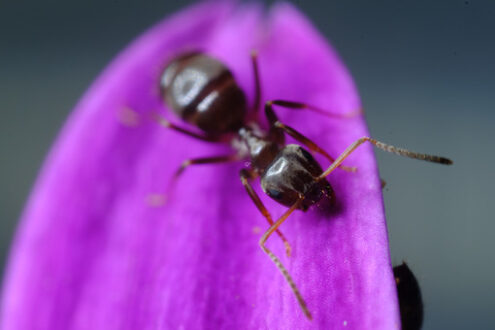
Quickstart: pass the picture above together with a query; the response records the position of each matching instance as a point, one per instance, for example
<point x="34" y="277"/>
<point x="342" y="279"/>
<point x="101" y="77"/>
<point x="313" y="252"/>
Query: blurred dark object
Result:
<point x="410" y="302"/>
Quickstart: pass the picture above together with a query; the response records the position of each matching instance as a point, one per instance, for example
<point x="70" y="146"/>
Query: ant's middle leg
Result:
<point x="246" y="176"/>
<point x="276" y="123"/>
<point x="198" y="161"/>
<point x="206" y="160"/>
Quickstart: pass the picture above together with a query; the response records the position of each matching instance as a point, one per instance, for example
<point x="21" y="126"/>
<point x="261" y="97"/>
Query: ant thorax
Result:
<point x="259" y="146"/>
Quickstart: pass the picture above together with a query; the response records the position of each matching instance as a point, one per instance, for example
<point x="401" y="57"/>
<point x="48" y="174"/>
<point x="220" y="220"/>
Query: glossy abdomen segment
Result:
<point x="203" y="92"/>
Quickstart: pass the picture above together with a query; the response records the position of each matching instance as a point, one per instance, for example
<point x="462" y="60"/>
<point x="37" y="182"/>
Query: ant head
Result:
<point x="320" y="190"/>
<point x="292" y="175"/>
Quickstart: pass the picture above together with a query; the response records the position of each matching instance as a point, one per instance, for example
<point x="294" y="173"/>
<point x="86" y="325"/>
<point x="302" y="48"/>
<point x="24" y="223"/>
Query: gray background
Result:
<point x="424" y="70"/>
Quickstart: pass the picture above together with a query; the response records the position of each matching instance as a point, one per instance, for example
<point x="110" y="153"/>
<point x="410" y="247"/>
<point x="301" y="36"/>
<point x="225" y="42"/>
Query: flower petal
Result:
<point x="92" y="253"/>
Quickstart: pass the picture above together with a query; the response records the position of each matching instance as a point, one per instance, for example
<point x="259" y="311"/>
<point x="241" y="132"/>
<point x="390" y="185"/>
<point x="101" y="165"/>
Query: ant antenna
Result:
<point x="385" y="147"/>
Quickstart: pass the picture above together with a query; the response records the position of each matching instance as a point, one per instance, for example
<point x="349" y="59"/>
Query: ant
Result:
<point x="410" y="301"/>
<point x="203" y="92"/>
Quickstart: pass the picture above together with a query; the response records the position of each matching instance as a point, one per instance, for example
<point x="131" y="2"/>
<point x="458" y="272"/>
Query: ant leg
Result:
<point x="310" y="144"/>
<point x="128" y="117"/>
<point x="274" y="122"/>
<point x="385" y="147"/>
<point x="257" y="83"/>
<point x="198" y="161"/>
<point x="167" y="124"/>
<point x="277" y="261"/>
<point x="299" y="106"/>
<point x="206" y="160"/>
<point x="245" y="177"/>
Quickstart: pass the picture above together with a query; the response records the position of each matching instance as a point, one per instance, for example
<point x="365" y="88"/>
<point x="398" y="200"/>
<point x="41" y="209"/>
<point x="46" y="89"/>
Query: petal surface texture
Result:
<point x="92" y="253"/>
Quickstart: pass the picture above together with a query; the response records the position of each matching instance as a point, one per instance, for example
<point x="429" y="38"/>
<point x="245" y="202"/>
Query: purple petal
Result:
<point x="91" y="252"/>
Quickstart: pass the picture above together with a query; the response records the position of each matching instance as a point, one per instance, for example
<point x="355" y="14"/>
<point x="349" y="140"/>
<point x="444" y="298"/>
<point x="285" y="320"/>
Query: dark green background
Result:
<point x="425" y="70"/>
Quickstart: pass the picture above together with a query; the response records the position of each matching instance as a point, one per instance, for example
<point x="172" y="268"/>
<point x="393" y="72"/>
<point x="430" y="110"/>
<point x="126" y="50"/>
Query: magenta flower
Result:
<point x="93" y="253"/>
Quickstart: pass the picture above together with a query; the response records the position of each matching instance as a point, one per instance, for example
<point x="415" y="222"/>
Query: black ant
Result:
<point x="203" y="92"/>
<point x="410" y="301"/>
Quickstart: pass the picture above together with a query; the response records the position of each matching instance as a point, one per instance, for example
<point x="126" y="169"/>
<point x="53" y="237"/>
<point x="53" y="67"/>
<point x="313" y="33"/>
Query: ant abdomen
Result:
<point x="293" y="174"/>
<point x="202" y="91"/>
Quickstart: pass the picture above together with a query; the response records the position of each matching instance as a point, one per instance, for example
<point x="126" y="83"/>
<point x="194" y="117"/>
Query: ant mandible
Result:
<point x="203" y="92"/>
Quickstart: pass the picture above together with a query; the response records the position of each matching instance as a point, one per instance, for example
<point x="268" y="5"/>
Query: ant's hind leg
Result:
<point x="130" y="117"/>
<point x="246" y="176"/>
<point x="276" y="123"/>
<point x="277" y="261"/>
<point x="303" y="106"/>
<point x="257" y="83"/>
<point x="167" y="124"/>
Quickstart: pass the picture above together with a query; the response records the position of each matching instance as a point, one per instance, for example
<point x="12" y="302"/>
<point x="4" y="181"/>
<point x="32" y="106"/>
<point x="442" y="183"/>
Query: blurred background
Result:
<point x="425" y="71"/>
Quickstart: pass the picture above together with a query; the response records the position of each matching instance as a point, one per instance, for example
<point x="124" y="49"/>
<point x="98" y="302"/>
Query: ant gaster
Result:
<point x="203" y="92"/>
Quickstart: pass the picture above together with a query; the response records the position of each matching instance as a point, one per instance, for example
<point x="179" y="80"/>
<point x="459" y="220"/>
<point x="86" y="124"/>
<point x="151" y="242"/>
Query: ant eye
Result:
<point x="306" y="154"/>
<point x="275" y="194"/>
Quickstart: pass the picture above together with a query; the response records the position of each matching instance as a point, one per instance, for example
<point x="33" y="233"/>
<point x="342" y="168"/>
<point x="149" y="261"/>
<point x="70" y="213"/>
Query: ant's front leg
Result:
<point x="276" y="123"/>
<point x="278" y="263"/>
<point x="246" y="176"/>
